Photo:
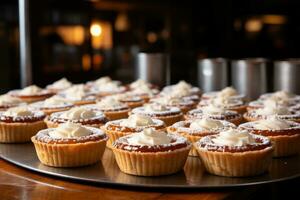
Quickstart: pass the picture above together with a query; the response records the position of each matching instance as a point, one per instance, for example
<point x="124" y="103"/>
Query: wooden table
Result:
<point x="18" y="183"/>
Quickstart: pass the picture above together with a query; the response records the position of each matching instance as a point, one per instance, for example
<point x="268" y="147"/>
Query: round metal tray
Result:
<point x="107" y="171"/>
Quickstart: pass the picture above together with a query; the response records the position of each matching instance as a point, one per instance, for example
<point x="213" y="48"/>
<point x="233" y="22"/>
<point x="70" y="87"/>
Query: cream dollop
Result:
<point x="137" y="120"/>
<point x="234" y="137"/>
<point x="275" y="101"/>
<point x="139" y="83"/>
<point x="61" y="84"/>
<point x="283" y="95"/>
<point x="213" y="110"/>
<point x="103" y="80"/>
<point x="149" y="136"/>
<point x="110" y="87"/>
<point x="273" y="110"/>
<point x="18" y="112"/>
<point x="9" y="100"/>
<point x="69" y="130"/>
<point x="272" y="123"/>
<point x="182" y="85"/>
<point x="31" y="90"/>
<point x="206" y="124"/>
<point x="78" y="113"/>
<point x="168" y="100"/>
<point x="55" y="101"/>
<point x="76" y="92"/>
<point x="109" y="102"/>
<point x="144" y="89"/>
<point x="154" y="107"/>
<point x="227" y="92"/>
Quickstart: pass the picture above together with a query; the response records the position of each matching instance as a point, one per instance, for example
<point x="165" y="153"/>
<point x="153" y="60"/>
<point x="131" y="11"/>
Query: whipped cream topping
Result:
<point x="19" y="112"/>
<point x="77" y="113"/>
<point x="182" y="85"/>
<point x="137" y="120"/>
<point x="9" y="100"/>
<point x="273" y="110"/>
<point x="213" y="110"/>
<point x="234" y="137"/>
<point x="103" y="80"/>
<point x="168" y="100"/>
<point x="109" y="103"/>
<point x="271" y="123"/>
<point x="55" y="101"/>
<point x="76" y="92"/>
<point x="31" y="90"/>
<point x="144" y="89"/>
<point x="227" y="92"/>
<point x="155" y="107"/>
<point x="206" y="124"/>
<point x="149" y="136"/>
<point x="60" y="84"/>
<point x="139" y="83"/>
<point x="283" y="95"/>
<point x="275" y="101"/>
<point x="69" y="130"/>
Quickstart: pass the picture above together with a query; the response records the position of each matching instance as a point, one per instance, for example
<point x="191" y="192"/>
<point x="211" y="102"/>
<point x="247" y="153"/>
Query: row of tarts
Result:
<point x="152" y="132"/>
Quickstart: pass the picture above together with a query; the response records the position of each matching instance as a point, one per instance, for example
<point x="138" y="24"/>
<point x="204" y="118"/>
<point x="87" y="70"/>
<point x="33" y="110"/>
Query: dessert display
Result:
<point x="151" y="153"/>
<point x="285" y="135"/>
<point x="69" y="145"/>
<point x="168" y="114"/>
<point x="214" y="112"/>
<point x="7" y="101"/>
<point x="270" y="110"/>
<point x="228" y="92"/>
<point x="60" y="85"/>
<point x="112" y="108"/>
<point x="78" y="95"/>
<point x="235" y="153"/>
<point x="31" y="93"/>
<point x="52" y="105"/>
<point x="185" y="105"/>
<point x="194" y="130"/>
<point x="134" y="123"/>
<point x="19" y="124"/>
<point x="80" y="115"/>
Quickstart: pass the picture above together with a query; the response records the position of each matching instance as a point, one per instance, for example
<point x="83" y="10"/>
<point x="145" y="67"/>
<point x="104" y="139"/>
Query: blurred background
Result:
<point x="85" y="39"/>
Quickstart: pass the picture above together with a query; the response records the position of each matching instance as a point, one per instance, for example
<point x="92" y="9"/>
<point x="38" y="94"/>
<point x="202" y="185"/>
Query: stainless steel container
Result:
<point x="153" y="67"/>
<point x="287" y="75"/>
<point x="249" y="76"/>
<point x="212" y="74"/>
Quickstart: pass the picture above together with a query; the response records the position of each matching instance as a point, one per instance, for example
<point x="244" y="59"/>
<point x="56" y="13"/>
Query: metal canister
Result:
<point x="212" y="74"/>
<point x="153" y="67"/>
<point x="249" y="76"/>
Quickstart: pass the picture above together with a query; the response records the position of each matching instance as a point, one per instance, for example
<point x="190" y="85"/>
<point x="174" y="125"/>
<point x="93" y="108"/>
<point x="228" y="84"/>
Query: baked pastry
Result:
<point x="131" y="100"/>
<point x="134" y="123"/>
<point x="19" y="124"/>
<point x="7" y="101"/>
<point x="195" y="129"/>
<point x="78" y="95"/>
<point x="69" y="145"/>
<point x="168" y="114"/>
<point x="102" y="81"/>
<point x="105" y="86"/>
<point x="184" y="104"/>
<point x="52" y="105"/>
<point x="181" y="89"/>
<point x="143" y="89"/>
<point x="235" y="153"/>
<point x="31" y="94"/>
<point x="285" y="135"/>
<point x="214" y="112"/>
<point x="282" y="95"/>
<point x="280" y="111"/>
<point x="80" y="115"/>
<point x="60" y="85"/>
<point x="233" y="104"/>
<point x="151" y="153"/>
<point x="228" y="92"/>
<point x="112" y="108"/>
<point x="140" y="82"/>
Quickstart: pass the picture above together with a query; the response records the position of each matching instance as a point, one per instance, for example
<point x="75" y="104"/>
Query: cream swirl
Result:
<point x="144" y="89"/>
<point x="77" y="113"/>
<point x="103" y="80"/>
<point x="154" y="107"/>
<point x="69" y="130"/>
<point x="182" y="85"/>
<point x="213" y="110"/>
<point x="273" y="110"/>
<point x="234" y="137"/>
<point x="283" y="95"/>
<point x="206" y="124"/>
<point x="275" y="101"/>
<point x="9" y="100"/>
<point x="137" y="120"/>
<point x="139" y="83"/>
<point x="31" y="90"/>
<point x="19" y="112"/>
<point x="76" y="92"/>
<point x="167" y="100"/>
<point x="109" y="102"/>
<point x="149" y="136"/>
<point x="272" y="123"/>
<point x="60" y="84"/>
<point x="227" y="92"/>
<point x="55" y="101"/>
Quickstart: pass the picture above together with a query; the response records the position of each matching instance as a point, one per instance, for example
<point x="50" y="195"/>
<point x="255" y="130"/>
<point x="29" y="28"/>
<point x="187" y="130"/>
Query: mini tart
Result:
<point x="236" y="105"/>
<point x="260" y="104"/>
<point x="7" y="101"/>
<point x="193" y="135"/>
<point x="289" y="97"/>
<point x="115" y="130"/>
<point x="170" y="90"/>
<point x="113" y="113"/>
<point x="69" y="152"/>
<point x="253" y="116"/>
<point x="51" y="108"/>
<point x="235" y="161"/>
<point x="20" y="129"/>
<point x="214" y="94"/>
<point x="55" y="119"/>
<point x="132" y="101"/>
<point x="59" y="85"/>
<point x="151" y="160"/>
<point x="88" y="99"/>
<point x="78" y="95"/>
<point x="285" y="141"/>
<point x="169" y="116"/>
<point x="229" y="115"/>
<point x="184" y="104"/>
<point x="29" y="98"/>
